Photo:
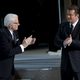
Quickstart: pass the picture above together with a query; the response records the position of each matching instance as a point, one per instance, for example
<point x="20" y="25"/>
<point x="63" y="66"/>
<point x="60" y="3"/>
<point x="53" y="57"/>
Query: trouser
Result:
<point x="4" y="78"/>
<point x="6" y="69"/>
<point x="67" y="72"/>
<point x="68" y="75"/>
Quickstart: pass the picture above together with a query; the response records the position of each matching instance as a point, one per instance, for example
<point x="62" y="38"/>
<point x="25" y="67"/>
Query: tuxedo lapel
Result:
<point x="76" y="30"/>
<point x="14" y="38"/>
<point x="67" y="30"/>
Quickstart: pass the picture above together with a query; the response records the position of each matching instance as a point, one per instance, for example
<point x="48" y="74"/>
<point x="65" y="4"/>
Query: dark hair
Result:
<point x="74" y="7"/>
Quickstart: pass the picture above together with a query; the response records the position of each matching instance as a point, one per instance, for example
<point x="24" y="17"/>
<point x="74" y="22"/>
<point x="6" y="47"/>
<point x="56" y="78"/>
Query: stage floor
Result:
<point x="38" y="64"/>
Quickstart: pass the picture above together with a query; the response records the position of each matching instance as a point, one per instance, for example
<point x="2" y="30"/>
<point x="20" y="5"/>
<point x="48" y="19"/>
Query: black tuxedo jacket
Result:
<point x="73" y="51"/>
<point x="8" y="49"/>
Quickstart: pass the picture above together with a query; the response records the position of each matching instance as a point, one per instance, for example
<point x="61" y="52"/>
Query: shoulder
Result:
<point x="64" y="23"/>
<point x="3" y="30"/>
<point x="63" y="26"/>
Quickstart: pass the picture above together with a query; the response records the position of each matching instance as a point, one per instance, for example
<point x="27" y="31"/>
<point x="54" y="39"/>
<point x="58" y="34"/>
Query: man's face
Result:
<point x="14" y="25"/>
<point x="71" y="16"/>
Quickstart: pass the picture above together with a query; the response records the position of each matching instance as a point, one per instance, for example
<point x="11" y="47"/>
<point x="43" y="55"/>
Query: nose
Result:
<point x="18" y="23"/>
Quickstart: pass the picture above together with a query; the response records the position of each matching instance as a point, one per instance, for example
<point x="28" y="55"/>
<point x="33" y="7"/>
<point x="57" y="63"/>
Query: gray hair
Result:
<point x="9" y="18"/>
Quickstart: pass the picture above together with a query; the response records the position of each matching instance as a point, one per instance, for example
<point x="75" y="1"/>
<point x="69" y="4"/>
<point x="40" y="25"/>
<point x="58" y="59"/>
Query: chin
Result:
<point x="16" y="28"/>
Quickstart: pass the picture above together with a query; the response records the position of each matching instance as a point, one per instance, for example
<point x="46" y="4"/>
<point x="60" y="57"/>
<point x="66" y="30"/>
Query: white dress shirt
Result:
<point x="22" y="47"/>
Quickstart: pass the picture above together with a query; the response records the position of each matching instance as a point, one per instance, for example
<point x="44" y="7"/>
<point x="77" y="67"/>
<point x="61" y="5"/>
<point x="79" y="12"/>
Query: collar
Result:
<point x="11" y="32"/>
<point x="74" y="24"/>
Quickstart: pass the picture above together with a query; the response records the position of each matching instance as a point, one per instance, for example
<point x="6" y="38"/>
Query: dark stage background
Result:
<point x="37" y="17"/>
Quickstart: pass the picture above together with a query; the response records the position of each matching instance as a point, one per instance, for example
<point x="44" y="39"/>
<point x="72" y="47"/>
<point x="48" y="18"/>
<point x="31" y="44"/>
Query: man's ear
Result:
<point x="10" y="26"/>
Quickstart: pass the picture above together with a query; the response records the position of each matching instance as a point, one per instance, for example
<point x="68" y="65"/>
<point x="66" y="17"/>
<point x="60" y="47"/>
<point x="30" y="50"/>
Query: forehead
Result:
<point x="15" y="19"/>
<point x="70" y="11"/>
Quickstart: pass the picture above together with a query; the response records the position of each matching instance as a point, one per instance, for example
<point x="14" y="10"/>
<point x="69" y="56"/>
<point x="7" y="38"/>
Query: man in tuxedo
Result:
<point x="10" y="45"/>
<point x="69" y="40"/>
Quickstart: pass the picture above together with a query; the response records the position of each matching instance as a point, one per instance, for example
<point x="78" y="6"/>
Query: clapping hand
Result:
<point x="28" y="41"/>
<point x="68" y="41"/>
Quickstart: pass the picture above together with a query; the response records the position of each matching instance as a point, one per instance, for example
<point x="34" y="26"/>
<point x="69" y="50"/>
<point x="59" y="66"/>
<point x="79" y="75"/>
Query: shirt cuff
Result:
<point x="22" y="48"/>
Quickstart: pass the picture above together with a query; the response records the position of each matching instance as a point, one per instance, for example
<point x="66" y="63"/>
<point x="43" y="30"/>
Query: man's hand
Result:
<point x="70" y="40"/>
<point x="28" y="41"/>
<point x="67" y="41"/>
<point x="33" y="41"/>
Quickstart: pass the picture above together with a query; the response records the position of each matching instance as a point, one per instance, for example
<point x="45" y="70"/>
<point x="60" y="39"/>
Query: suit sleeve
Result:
<point x="75" y="45"/>
<point x="58" y="41"/>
